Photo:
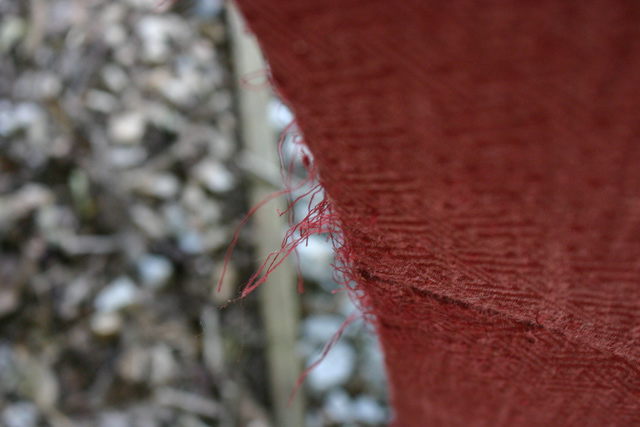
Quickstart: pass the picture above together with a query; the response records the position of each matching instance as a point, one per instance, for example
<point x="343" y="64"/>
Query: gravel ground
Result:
<point x="120" y="190"/>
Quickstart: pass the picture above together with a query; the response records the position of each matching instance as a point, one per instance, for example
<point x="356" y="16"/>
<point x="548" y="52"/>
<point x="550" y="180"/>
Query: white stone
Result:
<point x="163" y="365"/>
<point x="164" y="118"/>
<point x="163" y="28"/>
<point x="155" y="270"/>
<point x="191" y="243"/>
<point x="334" y="370"/>
<point x="20" y="414"/>
<point x="209" y="8"/>
<point x="126" y="157"/>
<point x="119" y="294"/>
<point x="101" y="101"/>
<point x="133" y="364"/>
<point x="156" y="52"/>
<point x="49" y="85"/>
<point x="338" y="406"/>
<point x="113" y="419"/>
<point x="368" y="411"/>
<point x="9" y="300"/>
<point x="214" y="176"/>
<point x="316" y="255"/>
<point x="126" y="54"/>
<point x="176" y="218"/>
<point x="12" y="30"/>
<point x="195" y="199"/>
<point x="106" y="324"/>
<point x="318" y="329"/>
<point x="114" y="35"/>
<point x="127" y="128"/>
<point x="114" y="77"/>
<point x="148" y="221"/>
<point x="178" y="92"/>
<point x="160" y="185"/>
<point x="26" y="114"/>
<point x="279" y="114"/>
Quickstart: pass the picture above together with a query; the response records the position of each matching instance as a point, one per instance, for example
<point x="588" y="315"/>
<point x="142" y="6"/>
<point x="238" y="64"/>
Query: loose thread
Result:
<point x="319" y="220"/>
<point x="247" y="80"/>
<point x="304" y="228"/>
<point x="327" y="348"/>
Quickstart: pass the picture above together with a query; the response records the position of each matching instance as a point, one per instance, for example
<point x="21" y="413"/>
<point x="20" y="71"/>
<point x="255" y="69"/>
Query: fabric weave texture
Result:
<point x="483" y="160"/>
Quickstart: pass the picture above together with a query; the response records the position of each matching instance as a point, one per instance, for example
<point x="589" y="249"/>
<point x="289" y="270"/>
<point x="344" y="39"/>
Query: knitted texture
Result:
<point x="483" y="161"/>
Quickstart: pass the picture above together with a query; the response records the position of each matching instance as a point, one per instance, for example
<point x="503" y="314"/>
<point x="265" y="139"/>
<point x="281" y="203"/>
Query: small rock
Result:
<point x="178" y="92"/>
<point x="21" y="203"/>
<point x="191" y="243"/>
<point x="40" y="383"/>
<point x="25" y="116"/>
<point x="126" y="54"/>
<point x="133" y="365"/>
<point x="7" y="123"/>
<point x="123" y="157"/>
<point x="20" y="414"/>
<point x="188" y="420"/>
<point x="74" y="294"/>
<point x="335" y="369"/>
<point x="12" y="31"/>
<point x="368" y="411"/>
<point x="54" y="220"/>
<point x="114" y="419"/>
<point x="9" y="373"/>
<point x="113" y="13"/>
<point x="279" y="115"/>
<point x="80" y="189"/>
<point x="114" y="35"/>
<point x="164" y="367"/>
<point x="106" y="324"/>
<point x="60" y="18"/>
<point x="338" y="406"/>
<point x="114" y="77"/>
<point x="214" y="176"/>
<point x="216" y="31"/>
<point x="119" y="294"/>
<point x="156" y="52"/>
<point x="161" y="185"/>
<point x="49" y="85"/>
<point x="208" y="8"/>
<point x="318" y="329"/>
<point x="155" y="47"/>
<point x="101" y="101"/>
<point x="151" y="224"/>
<point x="127" y="128"/>
<point x="176" y="218"/>
<point x="214" y="238"/>
<point x="316" y="256"/>
<point x="196" y="200"/>
<point x="9" y="300"/>
<point x="203" y="52"/>
<point x="155" y="270"/>
<point x="164" y="118"/>
<point x="164" y="28"/>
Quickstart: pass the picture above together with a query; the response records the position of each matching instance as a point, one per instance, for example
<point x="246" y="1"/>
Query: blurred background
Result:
<point x="124" y="173"/>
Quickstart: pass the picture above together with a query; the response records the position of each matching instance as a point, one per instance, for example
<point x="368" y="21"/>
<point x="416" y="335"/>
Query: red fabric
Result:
<point x="483" y="159"/>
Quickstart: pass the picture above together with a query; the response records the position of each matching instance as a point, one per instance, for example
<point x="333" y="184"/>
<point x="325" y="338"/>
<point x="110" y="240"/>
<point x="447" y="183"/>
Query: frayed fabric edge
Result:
<point x="321" y="219"/>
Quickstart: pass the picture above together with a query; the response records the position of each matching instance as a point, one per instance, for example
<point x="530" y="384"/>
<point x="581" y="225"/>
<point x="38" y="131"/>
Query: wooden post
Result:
<point x="278" y="296"/>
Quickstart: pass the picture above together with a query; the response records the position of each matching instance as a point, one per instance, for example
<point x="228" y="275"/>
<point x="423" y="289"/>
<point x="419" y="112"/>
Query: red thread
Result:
<point x="327" y="348"/>
<point x="256" y="81"/>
